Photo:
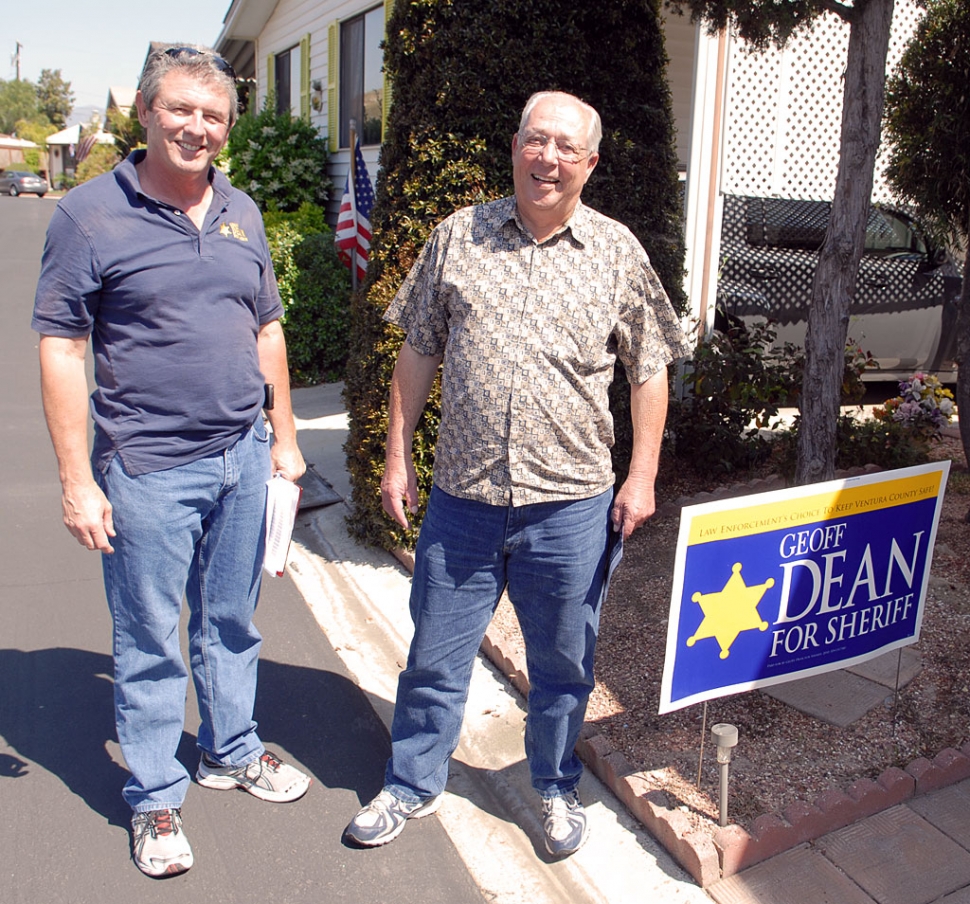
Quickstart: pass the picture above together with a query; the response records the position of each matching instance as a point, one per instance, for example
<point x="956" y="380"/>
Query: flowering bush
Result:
<point x="923" y="407"/>
<point x="857" y="362"/>
<point x="278" y="160"/>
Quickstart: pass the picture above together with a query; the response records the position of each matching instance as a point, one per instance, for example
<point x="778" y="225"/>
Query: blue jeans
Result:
<point x="195" y="531"/>
<point x="555" y="558"/>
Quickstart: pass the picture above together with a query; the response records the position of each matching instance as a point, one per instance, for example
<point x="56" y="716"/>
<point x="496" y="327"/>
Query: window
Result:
<point x="288" y="78"/>
<point x="888" y="233"/>
<point x="783" y="223"/>
<point x="361" y="80"/>
<point x="286" y="66"/>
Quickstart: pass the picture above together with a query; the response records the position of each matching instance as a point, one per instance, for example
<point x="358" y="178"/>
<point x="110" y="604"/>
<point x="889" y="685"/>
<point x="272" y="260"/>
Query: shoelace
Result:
<point x="270" y="762"/>
<point x="161" y="822"/>
<point x="562" y="805"/>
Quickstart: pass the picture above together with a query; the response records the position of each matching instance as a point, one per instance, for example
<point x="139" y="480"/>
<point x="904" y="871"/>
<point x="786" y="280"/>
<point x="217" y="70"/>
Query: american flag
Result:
<point x="353" y="222"/>
<point x="84" y="147"/>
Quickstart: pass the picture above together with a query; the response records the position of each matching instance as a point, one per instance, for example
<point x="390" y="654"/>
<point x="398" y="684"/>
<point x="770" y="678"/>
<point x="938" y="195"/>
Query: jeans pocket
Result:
<point x="259" y="430"/>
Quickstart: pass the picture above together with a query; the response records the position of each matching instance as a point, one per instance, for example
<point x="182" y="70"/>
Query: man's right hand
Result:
<point x="413" y="375"/>
<point x="87" y="515"/>
<point x="399" y="486"/>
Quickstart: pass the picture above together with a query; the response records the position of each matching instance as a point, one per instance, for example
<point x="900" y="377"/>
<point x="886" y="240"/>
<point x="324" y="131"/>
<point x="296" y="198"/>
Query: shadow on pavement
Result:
<point x="56" y="711"/>
<point x="326" y="722"/>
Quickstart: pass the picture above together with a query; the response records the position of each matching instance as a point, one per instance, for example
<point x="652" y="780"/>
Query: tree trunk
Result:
<point x="838" y="266"/>
<point x="963" y="359"/>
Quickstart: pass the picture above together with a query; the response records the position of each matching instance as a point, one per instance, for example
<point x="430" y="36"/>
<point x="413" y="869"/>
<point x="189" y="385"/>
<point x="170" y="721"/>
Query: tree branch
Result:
<point x="842" y="10"/>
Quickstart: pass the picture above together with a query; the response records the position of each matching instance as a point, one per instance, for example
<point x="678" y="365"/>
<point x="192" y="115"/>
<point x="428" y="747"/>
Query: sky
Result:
<point x="99" y="44"/>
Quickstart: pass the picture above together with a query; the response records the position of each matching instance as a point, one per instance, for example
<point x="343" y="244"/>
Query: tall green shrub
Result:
<point x="102" y="158"/>
<point x="315" y="290"/>
<point x="461" y="72"/>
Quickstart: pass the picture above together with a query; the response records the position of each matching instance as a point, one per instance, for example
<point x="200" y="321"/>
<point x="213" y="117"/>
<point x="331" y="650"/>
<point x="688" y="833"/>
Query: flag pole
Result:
<point x="353" y="188"/>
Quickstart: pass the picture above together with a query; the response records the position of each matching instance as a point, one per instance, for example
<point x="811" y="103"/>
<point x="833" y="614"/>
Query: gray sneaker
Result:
<point x="267" y="778"/>
<point x="382" y="820"/>
<point x="158" y="844"/>
<point x="564" y="824"/>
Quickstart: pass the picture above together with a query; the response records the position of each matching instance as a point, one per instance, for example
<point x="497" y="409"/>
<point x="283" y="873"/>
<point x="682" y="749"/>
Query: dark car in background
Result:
<point x="904" y="309"/>
<point x="16" y="182"/>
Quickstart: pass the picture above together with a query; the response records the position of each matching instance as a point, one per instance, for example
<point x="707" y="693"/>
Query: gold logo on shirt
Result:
<point x="234" y="230"/>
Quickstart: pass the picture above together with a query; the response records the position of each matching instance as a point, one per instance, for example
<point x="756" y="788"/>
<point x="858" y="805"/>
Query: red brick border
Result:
<point x="731" y="848"/>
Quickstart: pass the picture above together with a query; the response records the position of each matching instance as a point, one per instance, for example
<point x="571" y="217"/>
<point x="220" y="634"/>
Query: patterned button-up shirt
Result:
<point x="530" y="333"/>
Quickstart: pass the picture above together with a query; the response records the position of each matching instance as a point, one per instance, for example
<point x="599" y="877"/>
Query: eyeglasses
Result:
<point x="535" y="143"/>
<point x="217" y="61"/>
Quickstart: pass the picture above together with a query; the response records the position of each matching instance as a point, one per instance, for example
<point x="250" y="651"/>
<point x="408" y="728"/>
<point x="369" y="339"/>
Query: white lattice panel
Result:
<point x="784" y="111"/>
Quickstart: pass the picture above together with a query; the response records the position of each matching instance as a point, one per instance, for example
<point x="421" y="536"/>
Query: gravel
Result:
<point x="785" y="756"/>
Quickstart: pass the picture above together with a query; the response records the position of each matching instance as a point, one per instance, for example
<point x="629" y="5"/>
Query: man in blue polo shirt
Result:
<point x="164" y="267"/>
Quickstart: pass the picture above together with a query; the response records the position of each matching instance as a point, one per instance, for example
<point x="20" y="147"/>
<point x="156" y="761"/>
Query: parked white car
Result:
<point x="904" y="309"/>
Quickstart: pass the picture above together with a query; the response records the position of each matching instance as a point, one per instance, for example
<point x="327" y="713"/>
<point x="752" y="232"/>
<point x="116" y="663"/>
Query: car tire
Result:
<point x="41" y="194"/>
<point x="13" y="191"/>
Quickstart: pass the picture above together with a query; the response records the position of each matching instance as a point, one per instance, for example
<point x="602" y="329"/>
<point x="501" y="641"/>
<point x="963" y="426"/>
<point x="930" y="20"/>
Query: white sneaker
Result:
<point x="159" y="846"/>
<point x="383" y="819"/>
<point x="268" y="778"/>
<point x="564" y="824"/>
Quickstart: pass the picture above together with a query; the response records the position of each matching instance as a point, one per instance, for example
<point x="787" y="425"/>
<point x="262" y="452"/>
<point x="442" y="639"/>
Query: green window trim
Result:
<point x="333" y="75"/>
<point x="270" y="74"/>
<point x="388" y="87"/>
<point x="305" y="77"/>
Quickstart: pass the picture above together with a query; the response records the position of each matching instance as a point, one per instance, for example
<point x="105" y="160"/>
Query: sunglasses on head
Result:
<point x="217" y="60"/>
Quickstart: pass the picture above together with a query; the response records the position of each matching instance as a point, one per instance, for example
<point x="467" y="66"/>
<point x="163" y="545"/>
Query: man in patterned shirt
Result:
<point x="527" y="301"/>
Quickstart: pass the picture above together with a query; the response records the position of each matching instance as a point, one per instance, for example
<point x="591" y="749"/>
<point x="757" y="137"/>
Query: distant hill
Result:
<point x="83" y="115"/>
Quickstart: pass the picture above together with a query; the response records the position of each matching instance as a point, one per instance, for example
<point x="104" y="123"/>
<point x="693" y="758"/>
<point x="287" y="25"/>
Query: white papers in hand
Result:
<point x="282" y="503"/>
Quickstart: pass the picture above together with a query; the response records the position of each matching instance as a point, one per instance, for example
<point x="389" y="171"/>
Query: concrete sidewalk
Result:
<point x="916" y="851"/>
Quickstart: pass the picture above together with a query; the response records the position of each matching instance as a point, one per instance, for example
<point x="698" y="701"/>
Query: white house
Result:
<point x="764" y="124"/>
<point x="63" y="148"/>
<point x="322" y="61"/>
<point x="12" y="152"/>
<point x="760" y="124"/>
<point x="121" y="99"/>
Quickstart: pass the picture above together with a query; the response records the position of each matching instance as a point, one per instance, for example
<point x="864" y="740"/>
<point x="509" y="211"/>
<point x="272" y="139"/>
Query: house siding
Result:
<point x="680" y="39"/>
<point x="286" y="27"/>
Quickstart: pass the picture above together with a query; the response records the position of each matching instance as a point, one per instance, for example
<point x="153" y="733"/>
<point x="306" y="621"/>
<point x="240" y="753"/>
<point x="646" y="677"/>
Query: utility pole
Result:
<point x="16" y="60"/>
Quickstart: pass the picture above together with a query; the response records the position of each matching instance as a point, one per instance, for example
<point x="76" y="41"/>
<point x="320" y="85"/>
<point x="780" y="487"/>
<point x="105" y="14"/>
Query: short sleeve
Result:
<point x="418" y="308"/>
<point x="69" y="286"/>
<point x="269" y="305"/>
<point x="649" y="335"/>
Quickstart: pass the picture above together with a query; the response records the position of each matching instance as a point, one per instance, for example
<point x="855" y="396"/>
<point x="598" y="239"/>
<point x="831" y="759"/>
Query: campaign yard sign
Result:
<point x="792" y="583"/>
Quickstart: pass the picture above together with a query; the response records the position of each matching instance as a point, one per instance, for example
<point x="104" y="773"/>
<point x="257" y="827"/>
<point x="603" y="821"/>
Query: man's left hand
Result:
<point x="633" y="505"/>
<point x="288" y="461"/>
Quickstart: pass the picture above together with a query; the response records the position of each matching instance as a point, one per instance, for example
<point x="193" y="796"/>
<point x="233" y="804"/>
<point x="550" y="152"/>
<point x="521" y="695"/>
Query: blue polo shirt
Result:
<point x="173" y="315"/>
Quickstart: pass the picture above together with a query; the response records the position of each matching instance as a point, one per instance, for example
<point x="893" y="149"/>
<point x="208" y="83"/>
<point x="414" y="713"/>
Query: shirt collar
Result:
<point x="127" y="174"/>
<point x="576" y="227"/>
